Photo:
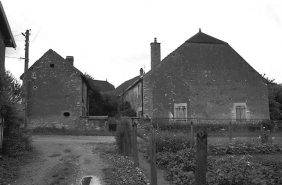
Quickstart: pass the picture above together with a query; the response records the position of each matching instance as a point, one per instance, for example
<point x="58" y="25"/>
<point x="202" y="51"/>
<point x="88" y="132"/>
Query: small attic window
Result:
<point x="66" y="114"/>
<point x="33" y="76"/>
<point x="52" y="65"/>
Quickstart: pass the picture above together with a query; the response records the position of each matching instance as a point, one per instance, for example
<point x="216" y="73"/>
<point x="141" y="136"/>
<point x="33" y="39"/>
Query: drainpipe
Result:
<point x="142" y="112"/>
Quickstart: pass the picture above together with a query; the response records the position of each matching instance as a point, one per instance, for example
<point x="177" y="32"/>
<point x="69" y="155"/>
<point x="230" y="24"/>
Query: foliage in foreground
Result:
<point x="175" y="156"/>
<point x="121" y="170"/>
<point x="15" y="142"/>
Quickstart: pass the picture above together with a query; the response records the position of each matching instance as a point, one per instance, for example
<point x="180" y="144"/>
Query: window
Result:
<point x="33" y="76"/>
<point x="240" y="111"/>
<point x="52" y="65"/>
<point x="180" y="111"/>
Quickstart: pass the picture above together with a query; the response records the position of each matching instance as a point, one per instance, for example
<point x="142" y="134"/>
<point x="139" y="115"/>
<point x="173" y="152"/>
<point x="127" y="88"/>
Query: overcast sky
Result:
<point x="111" y="39"/>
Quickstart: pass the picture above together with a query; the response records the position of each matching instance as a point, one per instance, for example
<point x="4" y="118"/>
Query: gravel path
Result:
<point x="64" y="160"/>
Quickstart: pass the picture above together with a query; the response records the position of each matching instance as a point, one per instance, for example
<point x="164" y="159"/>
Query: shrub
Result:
<point x="247" y="146"/>
<point x="171" y="142"/>
<point x="16" y="143"/>
<point x="123" y="136"/>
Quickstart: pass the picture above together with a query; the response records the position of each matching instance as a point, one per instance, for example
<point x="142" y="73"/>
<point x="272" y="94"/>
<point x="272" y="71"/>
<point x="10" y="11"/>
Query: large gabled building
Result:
<point x="203" y="78"/>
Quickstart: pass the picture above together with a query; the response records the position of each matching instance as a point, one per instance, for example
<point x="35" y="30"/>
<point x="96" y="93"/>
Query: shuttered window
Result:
<point x="240" y="113"/>
<point x="180" y="111"/>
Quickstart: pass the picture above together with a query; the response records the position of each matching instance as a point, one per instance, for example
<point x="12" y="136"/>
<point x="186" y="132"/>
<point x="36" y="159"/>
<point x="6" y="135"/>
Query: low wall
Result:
<point x="91" y="123"/>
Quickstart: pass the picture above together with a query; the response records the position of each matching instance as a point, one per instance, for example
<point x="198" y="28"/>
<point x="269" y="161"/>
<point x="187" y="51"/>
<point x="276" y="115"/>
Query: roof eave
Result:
<point x="132" y="85"/>
<point x="11" y="42"/>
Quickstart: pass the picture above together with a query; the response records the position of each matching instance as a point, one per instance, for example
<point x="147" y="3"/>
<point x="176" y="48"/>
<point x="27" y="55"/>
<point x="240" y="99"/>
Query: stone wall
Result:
<point x="93" y="123"/>
<point x="216" y="77"/>
<point x="55" y="93"/>
<point x="134" y="96"/>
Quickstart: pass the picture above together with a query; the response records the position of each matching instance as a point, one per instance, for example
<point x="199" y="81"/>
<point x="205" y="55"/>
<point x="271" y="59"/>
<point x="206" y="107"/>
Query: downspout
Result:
<point x="142" y="112"/>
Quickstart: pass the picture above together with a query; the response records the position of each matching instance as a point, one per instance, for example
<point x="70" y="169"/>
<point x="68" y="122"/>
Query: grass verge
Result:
<point x="10" y="166"/>
<point x="63" y="131"/>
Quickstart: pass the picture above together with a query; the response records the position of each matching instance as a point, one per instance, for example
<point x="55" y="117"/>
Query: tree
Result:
<point x="274" y="98"/>
<point x="14" y="140"/>
<point x="100" y="104"/>
<point x="11" y="92"/>
<point x="125" y="109"/>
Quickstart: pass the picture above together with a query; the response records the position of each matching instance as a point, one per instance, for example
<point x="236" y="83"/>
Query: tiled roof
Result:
<point x="50" y="52"/>
<point x="201" y="37"/>
<point x="104" y="86"/>
<point x="121" y="88"/>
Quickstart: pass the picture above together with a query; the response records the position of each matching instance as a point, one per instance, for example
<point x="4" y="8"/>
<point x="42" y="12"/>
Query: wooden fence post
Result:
<point x="126" y="140"/>
<point x="230" y="130"/>
<point x="201" y="158"/>
<point x="153" y="158"/>
<point x="192" y="134"/>
<point x="158" y="126"/>
<point x="134" y="143"/>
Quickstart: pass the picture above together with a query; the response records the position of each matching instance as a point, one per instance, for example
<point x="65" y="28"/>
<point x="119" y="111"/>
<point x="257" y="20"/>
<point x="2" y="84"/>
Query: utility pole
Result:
<point x="25" y="81"/>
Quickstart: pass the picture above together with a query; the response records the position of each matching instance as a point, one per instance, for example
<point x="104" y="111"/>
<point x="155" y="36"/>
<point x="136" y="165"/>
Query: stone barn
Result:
<point x="203" y="78"/>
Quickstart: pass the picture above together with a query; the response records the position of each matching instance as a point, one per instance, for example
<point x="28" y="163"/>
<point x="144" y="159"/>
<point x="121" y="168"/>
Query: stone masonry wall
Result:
<point x="134" y="96"/>
<point x="217" y="78"/>
<point x="54" y="97"/>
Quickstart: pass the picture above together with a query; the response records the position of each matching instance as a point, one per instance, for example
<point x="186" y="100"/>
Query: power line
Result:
<point x="35" y="36"/>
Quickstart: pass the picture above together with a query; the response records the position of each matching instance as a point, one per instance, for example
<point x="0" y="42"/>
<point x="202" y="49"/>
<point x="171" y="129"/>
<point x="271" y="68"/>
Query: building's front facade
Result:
<point x="203" y="78"/>
<point x="57" y="92"/>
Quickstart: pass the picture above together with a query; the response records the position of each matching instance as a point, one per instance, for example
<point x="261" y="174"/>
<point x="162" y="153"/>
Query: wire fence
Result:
<point x="218" y="138"/>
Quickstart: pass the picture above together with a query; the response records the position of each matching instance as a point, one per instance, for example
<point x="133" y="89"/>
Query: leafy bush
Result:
<point x="171" y="142"/>
<point x="17" y="143"/>
<point x="247" y="146"/>
<point x="236" y="170"/>
<point x="123" y="135"/>
<point x="174" y="155"/>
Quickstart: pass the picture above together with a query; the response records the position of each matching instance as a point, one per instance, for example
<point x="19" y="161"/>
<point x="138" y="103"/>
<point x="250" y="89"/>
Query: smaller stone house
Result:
<point x="57" y="92"/>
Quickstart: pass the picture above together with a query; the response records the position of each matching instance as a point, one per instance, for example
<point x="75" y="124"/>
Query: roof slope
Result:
<point x="121" y="88"/>
<point x="5" y="29"/>
<point x="51" y="52"/>
<point x="104" y="86"/>
<point x="201" y="37"/>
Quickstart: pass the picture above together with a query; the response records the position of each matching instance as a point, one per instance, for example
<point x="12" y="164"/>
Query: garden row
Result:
<point x="229" y="163"/>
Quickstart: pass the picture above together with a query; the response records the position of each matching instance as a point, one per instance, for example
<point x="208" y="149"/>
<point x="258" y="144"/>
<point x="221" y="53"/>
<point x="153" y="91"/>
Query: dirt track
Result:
<point x="63" y="160"/>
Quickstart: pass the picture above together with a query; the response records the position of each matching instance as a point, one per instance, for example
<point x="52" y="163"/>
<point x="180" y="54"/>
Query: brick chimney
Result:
<point x="141" y="72"/>
<point x="155" y="53"/>
<point x="70" y="59"/>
